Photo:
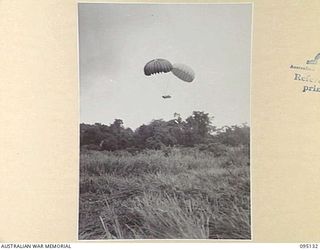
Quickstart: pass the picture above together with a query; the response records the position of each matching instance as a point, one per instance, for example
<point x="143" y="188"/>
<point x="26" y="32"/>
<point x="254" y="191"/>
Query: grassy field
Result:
<point x="178" y="193"/>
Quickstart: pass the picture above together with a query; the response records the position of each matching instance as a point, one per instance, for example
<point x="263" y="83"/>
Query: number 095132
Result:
<point x="307" y="245"/>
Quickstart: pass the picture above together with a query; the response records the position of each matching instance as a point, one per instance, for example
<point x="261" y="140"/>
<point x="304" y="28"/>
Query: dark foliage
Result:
<point x="196" y="130"/>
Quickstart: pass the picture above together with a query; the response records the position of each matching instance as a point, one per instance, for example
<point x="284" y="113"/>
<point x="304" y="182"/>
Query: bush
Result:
<point x="217" y="149"/>
<point x="90" y="147"/>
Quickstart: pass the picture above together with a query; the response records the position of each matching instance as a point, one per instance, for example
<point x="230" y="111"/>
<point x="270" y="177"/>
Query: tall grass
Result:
<point x="169" y="194"/>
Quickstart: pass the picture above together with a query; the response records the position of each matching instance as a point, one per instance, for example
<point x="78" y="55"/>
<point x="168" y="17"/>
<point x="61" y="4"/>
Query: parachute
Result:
<point x="157" y="66"/>
<point x="183" y="72"/>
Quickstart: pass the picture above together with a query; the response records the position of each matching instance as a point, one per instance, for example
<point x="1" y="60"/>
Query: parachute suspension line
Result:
<point x="166" y="88"/>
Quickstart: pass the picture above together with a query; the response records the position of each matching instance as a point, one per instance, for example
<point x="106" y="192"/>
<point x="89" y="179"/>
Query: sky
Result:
<point x="117" y="40"/>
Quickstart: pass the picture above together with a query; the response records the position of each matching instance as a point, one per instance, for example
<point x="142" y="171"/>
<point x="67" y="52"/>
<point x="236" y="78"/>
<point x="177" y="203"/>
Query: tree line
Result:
<point x="196" y="130"/>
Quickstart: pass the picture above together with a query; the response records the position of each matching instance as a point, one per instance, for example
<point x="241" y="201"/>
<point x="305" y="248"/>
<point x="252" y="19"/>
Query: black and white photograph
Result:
<point x="164" y="121"/>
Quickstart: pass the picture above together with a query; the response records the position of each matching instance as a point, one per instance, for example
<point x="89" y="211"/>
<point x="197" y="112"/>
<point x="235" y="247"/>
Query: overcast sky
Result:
<point x="117" y="40"/>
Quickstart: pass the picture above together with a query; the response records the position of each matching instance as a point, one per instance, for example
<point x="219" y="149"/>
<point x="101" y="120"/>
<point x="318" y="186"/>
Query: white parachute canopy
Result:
<point x="183" y="72"/>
